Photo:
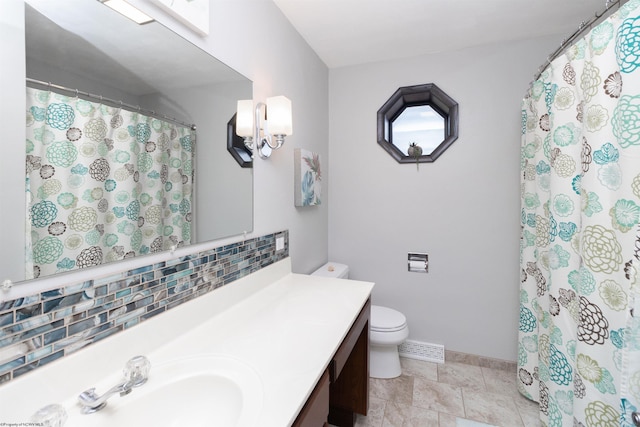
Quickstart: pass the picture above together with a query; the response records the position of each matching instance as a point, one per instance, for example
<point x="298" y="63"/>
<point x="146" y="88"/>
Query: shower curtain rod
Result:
<point x="584" y="25"/>
<point x="113" y="102"/>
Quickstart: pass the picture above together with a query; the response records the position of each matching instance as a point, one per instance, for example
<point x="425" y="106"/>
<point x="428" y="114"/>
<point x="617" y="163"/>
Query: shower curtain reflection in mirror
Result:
<point x="102" y="183"/>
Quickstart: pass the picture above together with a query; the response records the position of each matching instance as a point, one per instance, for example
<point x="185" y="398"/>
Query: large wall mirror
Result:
<point x="105" y="97"/>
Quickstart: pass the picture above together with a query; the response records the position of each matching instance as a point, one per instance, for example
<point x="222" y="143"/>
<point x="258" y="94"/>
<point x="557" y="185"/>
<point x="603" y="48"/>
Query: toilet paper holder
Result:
<point x="418" y="262"/>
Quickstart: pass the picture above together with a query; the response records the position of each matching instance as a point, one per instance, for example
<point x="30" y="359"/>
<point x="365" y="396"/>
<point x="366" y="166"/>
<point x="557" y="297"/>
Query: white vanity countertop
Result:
<point x="285" y="326"/>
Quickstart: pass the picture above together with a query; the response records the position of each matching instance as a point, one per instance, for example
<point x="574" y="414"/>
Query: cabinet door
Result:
<point x="316" y="411"/>
<point x="356" y="340"/>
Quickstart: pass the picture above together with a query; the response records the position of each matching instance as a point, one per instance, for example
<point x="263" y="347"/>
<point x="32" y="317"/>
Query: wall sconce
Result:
<point x="261" y="126"/>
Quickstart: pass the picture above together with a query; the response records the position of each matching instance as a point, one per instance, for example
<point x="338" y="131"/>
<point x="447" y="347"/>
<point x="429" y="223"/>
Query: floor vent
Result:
<point x="422" y="351"/>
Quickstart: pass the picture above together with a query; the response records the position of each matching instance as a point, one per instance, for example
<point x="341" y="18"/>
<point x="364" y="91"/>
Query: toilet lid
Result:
<point x="386" y="319"/>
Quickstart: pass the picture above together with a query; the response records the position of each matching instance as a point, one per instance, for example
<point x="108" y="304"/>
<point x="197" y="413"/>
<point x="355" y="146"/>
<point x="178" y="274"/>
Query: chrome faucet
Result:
<point x="91" y="402"/>
<point x="136" y="373"/>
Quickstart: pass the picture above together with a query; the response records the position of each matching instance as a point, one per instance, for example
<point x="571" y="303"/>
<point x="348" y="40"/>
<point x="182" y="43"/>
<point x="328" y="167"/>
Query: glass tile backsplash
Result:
<point x="38" y="329"/>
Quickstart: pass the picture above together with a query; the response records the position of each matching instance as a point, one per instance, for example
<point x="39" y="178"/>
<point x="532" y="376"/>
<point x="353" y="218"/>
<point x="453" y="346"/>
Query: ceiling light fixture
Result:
<point x="131" y="12"/>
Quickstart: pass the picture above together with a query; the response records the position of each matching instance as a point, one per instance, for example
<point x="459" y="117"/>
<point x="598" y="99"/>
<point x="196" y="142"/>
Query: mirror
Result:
<point x="422" y="116"/>
<point x="86" y="46"/>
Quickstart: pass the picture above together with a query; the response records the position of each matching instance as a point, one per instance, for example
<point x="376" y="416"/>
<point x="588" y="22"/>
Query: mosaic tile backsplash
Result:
<point x="38" y="329"/>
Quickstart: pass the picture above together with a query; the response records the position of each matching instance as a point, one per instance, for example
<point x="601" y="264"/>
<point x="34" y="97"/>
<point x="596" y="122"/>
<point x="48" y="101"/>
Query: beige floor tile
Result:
<point x="529" y="411"/>
<point x="398" y="390"/>
<point x="461" y="375"/>
<point x="438" y="397"/>
<point x="500" y="381"/>
<point x="429" y="394"/>
<point x="375" y="415"/>
<point x="447" y="420"/>
<point x="399" y="415"/>
<point x="463" y="422"/>
<point x="491" y="408"/>
<point x="419" y="368"/>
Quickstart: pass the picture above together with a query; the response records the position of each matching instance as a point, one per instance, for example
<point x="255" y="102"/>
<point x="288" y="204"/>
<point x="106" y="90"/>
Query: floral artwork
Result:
<point x="579" y="352"/>
<point x="308" y="178"/>
<point x="192" y="13"/>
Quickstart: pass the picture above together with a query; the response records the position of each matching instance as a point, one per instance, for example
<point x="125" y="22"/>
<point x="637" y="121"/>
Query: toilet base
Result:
<point x="384" y="361"/>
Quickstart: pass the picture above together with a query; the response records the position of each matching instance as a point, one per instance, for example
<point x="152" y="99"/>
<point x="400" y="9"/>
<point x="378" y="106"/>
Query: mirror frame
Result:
<point x="412" y="96"/>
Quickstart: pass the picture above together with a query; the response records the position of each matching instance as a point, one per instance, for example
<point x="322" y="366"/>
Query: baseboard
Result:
<point x="482" y="361"/>
<point x="436" y="353"/>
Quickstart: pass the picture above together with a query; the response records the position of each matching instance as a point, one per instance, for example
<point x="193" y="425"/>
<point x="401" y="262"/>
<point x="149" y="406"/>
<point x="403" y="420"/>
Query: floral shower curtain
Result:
<point x="579" y="344"/>
<point x="103" y="183"/>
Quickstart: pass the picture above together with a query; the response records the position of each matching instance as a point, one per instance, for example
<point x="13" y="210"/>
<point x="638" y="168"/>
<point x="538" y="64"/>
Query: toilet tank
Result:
<point x="333" y="269"/>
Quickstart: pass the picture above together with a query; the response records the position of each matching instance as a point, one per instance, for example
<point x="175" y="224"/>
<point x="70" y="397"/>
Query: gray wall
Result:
<point x="463" y="209"/>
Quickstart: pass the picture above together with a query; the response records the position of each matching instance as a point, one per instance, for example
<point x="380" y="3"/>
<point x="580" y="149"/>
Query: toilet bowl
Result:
<point x="388" y="329"/>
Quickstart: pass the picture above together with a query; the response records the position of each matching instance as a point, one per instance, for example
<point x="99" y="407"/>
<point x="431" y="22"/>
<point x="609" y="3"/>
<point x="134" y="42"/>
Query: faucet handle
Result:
<point x="88" y="396"/>
<point x="50" y="416"/>
<point x="137" y="370"/>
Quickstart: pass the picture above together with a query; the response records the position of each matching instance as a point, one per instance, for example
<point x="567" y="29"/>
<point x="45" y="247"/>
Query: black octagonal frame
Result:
<point x="236" y="147"/>
<point x="411" y="96"/>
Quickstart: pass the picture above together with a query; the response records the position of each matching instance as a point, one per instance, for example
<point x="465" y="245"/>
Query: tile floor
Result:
<point x="431" y="394"/>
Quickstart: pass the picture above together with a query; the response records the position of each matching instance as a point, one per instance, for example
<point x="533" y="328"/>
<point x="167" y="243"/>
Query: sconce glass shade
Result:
<point x="244" y="118"/>
<point x="279" y="115"/>
<point x="252" y="124"/>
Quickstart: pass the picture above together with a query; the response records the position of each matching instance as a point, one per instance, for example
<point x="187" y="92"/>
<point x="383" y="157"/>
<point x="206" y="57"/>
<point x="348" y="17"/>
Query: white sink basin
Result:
<point x="196" y="391"/>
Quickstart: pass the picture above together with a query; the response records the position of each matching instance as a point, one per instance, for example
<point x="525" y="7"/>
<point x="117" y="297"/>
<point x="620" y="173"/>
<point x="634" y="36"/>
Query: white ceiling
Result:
<point x="349" y="32"/>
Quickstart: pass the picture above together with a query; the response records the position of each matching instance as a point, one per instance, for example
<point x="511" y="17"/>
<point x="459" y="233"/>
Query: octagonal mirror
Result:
<point x="418" y="116"/>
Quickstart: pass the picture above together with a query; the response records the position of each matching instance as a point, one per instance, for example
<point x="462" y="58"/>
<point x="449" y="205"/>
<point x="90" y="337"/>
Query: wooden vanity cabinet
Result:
<point x="343" y="390"/>
<point x="349" y="374"/>
<point x="316" y="411"/>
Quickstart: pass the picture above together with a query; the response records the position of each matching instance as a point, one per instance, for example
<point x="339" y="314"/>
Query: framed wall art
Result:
<point x="308" y="178"/>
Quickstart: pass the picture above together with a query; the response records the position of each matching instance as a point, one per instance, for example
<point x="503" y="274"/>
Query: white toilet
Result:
<point x="388" y="329"/>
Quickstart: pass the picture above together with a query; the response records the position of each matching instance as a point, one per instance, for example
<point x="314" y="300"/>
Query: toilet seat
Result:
<point x="384" y="319"/>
